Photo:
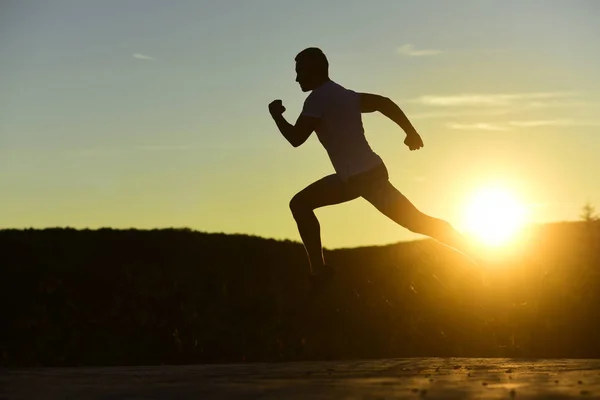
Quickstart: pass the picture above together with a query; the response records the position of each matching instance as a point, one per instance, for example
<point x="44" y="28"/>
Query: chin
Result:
<point x="305" y="88"/>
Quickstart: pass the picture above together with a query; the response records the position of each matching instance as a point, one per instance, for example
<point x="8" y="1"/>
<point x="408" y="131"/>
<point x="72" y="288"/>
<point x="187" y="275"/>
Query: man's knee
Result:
<point x="299" y="207"/>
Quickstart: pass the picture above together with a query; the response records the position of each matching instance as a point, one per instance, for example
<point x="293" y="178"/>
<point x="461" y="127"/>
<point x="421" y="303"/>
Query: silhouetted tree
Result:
<point x="589" y="213"/>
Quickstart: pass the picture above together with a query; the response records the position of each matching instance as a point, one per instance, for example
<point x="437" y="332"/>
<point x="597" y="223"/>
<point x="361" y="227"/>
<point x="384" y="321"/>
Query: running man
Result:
<point x="334" y="113"/>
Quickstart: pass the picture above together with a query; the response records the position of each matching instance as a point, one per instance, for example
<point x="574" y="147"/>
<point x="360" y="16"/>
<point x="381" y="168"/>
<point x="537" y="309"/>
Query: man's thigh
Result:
<point x="327" y="191"/>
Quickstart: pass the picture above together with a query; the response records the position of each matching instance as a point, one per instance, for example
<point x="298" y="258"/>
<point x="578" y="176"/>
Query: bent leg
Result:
<point x="324" y="192"/>
<point x="387" y="199"/>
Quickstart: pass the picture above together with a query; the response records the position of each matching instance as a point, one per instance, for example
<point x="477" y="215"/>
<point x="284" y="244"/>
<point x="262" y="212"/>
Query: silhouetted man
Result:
<point x="334" y="113"/>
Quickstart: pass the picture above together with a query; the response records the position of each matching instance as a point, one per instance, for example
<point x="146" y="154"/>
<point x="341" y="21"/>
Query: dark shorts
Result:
<point x="369" y="179"/>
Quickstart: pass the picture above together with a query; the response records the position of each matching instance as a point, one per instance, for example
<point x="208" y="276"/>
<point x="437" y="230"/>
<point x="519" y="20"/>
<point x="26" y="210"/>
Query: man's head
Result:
<point x="312" y="68"/>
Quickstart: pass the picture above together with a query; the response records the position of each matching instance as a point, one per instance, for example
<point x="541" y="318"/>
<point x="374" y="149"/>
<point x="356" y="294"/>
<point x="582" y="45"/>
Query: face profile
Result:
<point x="304" y="78"/>
<point x="312" y="68"/>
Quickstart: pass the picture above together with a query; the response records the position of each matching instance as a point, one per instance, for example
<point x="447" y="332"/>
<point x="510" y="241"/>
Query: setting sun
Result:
<point x="494" y="216"/>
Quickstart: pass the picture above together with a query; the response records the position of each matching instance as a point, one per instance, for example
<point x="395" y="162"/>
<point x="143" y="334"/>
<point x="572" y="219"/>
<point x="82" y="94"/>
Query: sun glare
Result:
<point x="494" y="216"/>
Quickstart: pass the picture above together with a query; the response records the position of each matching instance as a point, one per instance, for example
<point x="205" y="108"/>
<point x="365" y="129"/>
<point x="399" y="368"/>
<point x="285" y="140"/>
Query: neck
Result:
<point x="322" y="81"/>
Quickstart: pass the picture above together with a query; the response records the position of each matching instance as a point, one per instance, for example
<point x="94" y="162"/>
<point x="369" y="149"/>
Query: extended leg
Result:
<point x="387" y="199"/>
<point x="324" y="192"/>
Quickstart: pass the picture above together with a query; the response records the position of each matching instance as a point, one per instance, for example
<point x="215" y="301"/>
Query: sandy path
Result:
<point x="429" y="378"/>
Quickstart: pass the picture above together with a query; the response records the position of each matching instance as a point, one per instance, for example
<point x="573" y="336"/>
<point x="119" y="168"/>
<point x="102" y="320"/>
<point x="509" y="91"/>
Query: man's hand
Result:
<point x="276" y="108"/>
<point x="413" y="141"/>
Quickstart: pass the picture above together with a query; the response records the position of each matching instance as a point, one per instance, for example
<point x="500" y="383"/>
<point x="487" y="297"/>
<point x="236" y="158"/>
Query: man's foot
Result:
<point x="321" y="277"/>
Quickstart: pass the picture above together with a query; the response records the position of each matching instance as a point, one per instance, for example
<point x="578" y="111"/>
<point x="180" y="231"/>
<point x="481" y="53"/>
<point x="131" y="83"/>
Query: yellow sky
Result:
<point x="157" y="116"/>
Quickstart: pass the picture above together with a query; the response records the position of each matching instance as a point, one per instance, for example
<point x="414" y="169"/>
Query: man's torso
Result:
<point x="341" y="129"/>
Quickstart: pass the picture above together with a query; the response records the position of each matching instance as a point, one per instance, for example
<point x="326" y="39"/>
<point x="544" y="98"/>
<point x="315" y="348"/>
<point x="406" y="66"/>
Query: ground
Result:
<point x="429" y="378"/>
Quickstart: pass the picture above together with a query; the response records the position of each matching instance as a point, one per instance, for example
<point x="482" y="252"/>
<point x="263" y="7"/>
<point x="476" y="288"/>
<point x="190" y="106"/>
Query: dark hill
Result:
<point x="115" y="297"/>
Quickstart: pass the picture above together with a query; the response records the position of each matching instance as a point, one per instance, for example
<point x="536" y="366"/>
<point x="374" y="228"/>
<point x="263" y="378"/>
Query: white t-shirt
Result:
<point x="341" y="130"/>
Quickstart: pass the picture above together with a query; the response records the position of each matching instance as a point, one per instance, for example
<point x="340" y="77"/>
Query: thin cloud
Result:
<point x="165" y="147"/>
<point x="141" y="56"/>
<point x="410" y="51"/>
<point x="96" y="152"/>
<point x="454" y="114"/>
<point x="481" y="126"/>
<point x="119" y="151"/>
<point x="484" y="126"/>
<point x="563" y="104"/>
<point x="500" y="99"/>
<point x="552" y="122"/>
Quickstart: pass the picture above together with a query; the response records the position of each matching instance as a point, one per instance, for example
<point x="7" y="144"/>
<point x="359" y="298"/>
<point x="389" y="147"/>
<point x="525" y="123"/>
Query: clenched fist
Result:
<point x="413" y="141"/>
<point x="276" y="107"/>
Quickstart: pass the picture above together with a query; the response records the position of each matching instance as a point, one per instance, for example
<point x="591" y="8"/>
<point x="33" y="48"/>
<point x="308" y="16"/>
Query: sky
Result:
<point x="153" y="114"/>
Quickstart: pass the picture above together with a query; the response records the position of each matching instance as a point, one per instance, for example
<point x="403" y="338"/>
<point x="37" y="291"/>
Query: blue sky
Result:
<point x="154" y="114"/>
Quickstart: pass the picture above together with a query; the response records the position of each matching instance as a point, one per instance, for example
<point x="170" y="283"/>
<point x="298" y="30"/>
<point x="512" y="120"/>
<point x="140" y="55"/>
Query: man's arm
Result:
<point x="295" y="134"/>
<point x="373" y="102"/>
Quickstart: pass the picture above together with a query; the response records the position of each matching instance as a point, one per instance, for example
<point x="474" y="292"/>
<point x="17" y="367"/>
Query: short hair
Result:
<point x="313" y="56"/>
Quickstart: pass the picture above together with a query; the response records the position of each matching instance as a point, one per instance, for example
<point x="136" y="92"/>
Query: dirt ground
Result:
<point x="428" y="378"/>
